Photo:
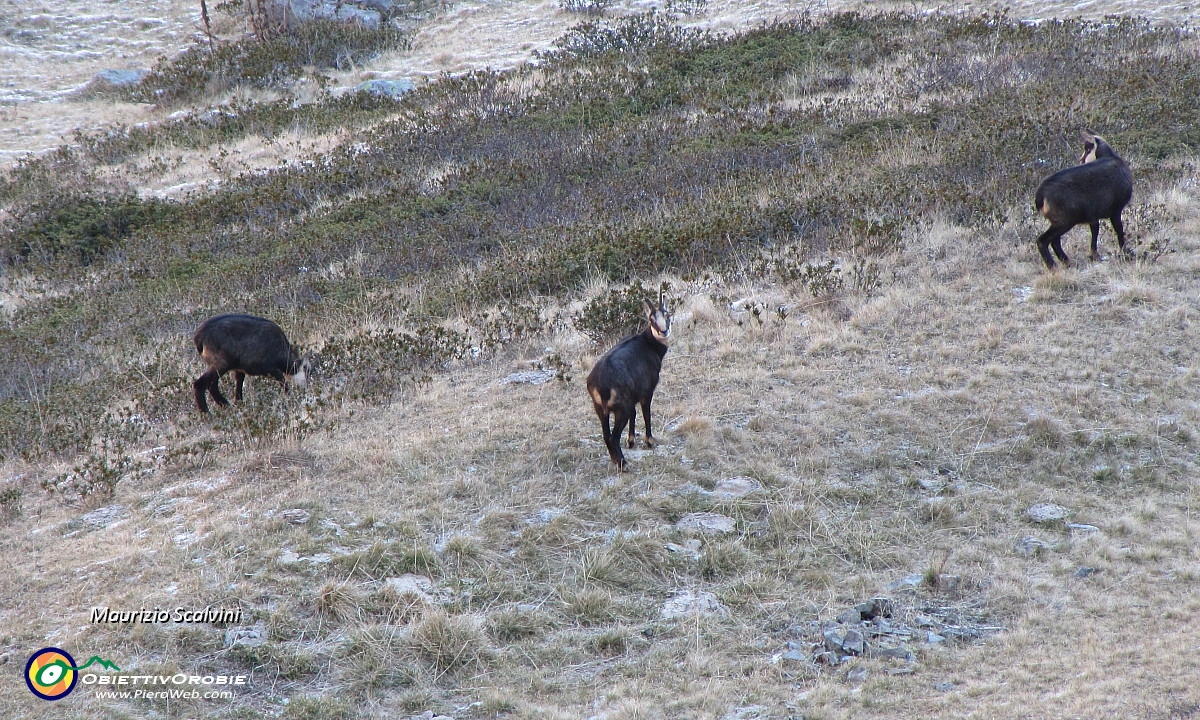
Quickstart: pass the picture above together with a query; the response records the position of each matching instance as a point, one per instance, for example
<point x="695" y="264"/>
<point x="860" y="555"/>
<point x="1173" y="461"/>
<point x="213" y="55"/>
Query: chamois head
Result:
<point x="1094" y="148"/>
<point x="659" y="318"/>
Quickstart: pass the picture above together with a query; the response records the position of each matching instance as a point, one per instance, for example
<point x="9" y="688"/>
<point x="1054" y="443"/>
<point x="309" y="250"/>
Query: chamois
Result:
<point x="1100" y="186"/>
<point x="247" y="345"/>
<point x="627" y="376"/>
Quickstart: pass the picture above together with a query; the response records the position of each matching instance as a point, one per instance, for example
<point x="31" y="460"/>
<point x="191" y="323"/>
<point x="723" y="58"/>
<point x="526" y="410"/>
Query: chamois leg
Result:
<point x="1052" y="237"/>
<point x="620" y="417"/>
<point x="1119" y="229"/>
<point x="200" y="389"/>
<point x="214" y="389"/>
<point x="632" y="423"/>
<point x="1094" y="226"/>
<point x="650" y="442"/>
<point x="240" y="377"/>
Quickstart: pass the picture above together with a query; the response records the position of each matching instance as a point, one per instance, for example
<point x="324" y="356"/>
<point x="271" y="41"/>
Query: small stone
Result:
<point x="948" y="583"/>
<point x="875" y="607"/>
<point x="793" y="656"/>
<point x="933" y="638"/>
<point x="410" y="584"/>
<point x="858" y="674"/>
<point x="850" y="617"/>
<point x="706" y="523"/>
<point x="1085" y="572"/>
<point x="827" y="658"/>
<point x="1082" y="528"/>
<point x="943" y="686"/>
<point x="833" y="640"/>
<point x="1030" y="546"/>
<point x="1046" y="512"/>
<point x="908" y="581"/>
<point x="528" y="377"/>
<point x="119" y="78"/>
<point x="853" y="642"/>
<point x="296" y="516"/>
<point x="246" y="636"/>
<point x="688" y="603"/>
<point x="746" y="712"/>
<point x="898" y="653"/>
<point x="103" y="517"/>
<point x="736" y="487"/>
<point x="899" y="671"/>
<point x="932" y="485"/>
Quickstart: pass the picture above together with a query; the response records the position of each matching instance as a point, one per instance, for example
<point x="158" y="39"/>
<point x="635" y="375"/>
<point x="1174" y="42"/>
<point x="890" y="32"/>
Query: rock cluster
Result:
<point x="876" y="629"/>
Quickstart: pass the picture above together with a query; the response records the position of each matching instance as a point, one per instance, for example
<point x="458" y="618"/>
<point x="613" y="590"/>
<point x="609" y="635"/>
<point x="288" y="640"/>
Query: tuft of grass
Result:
<point x="448" y="643"/>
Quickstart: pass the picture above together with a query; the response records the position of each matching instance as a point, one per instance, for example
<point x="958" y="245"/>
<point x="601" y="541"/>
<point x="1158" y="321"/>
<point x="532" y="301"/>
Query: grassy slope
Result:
<point x="897" y="425"/>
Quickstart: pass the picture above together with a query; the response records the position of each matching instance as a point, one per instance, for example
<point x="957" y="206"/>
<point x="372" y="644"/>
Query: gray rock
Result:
<point x="858" y="675"/>
<point x="745" y="712"/>
<point x="833" y="640"/>
<point x="828" y="658"/>
<point x="367" y="18"/>
<point x="853" y="642"/>
<point x="1030" y="546"/>
<point x="246" y="636"/>
<point x="528" y="377"/>
<point x="103" y="517"/>
<point x="908" y="581"/>
<point x="933" y="638"/>
<point x="296" y="516"/>
<point x="688" y="603"/>
<point x="690" y="549"/>
<point x="412" y="585"/>
<point x="948" y="583"/>
<point x="850" y="617"/>
<point x="736" y="487"/>
<point x="400" y="88"/>
<point x="1082" y="528"/>
<point x="875" y="607"/>
<point x="1046" y="512"/>
<point x="292" y="11"/>
<point x="119" y="78"/>
<point x="897" y="653"/>
<point x="380" y="5"/>
<point x="706" y="523"/>
<point x="1085" y="572"/>
<point x="943" y="686"/>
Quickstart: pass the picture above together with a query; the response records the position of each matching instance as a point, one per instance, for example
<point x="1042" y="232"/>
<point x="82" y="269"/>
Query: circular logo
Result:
<point x="50" y="673"/>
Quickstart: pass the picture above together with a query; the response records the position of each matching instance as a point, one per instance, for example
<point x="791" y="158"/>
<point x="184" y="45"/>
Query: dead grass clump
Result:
<point x="590" y="608"/>
<point x="387" y="559"/>
<point x="518" y="624"/>
<point x="375" y="658"/>
<point x="337" y="600"/>
<point x="447" y="642"/>
<point x="318" y="707"/>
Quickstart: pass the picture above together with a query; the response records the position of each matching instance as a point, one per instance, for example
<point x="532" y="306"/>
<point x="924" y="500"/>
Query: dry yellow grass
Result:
<point x="894" y="432"/>
<point x="899" y="431"/>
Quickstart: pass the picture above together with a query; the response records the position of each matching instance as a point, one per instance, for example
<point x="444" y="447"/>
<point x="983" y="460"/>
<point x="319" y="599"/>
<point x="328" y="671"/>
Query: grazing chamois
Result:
<point x="1100" y="186"/>
<point x="247" y="345"/>
<point x="627" y="376"/>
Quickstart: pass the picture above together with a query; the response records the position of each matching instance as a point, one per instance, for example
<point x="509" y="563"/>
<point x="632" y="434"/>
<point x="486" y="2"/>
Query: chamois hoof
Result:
<point x="650" y="442"/>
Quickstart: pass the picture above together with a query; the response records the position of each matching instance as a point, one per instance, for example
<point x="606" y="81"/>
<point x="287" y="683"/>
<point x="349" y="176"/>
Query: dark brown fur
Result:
<point x="627" y="376"/>
<point x="246" y="345"/>
<point x="1099" y="187"/>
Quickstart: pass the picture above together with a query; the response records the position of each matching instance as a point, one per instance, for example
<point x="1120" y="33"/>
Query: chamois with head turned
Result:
<point x="247" y="345"/>
<point x="1099" y="187"/>
<point x="626" y="377"/>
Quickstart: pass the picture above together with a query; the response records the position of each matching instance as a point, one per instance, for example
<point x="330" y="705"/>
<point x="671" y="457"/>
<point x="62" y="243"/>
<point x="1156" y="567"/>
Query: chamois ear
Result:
<point x="662" y="299"/>
<point x="649" y="306"/>
<point x="1088" y="136"/>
